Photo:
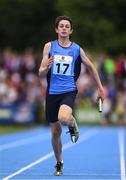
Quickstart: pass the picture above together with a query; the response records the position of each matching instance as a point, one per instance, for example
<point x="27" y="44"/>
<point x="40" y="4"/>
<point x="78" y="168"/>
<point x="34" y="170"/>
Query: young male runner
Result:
<point x="62" y="61"/>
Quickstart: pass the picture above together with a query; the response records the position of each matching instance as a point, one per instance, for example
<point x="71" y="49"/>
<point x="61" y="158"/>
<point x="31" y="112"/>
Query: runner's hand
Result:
<point x="101" y="94"/>
<point x="50" y="61"/>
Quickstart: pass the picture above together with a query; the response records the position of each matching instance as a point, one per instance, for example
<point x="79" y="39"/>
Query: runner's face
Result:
<point x="64" y="29"/>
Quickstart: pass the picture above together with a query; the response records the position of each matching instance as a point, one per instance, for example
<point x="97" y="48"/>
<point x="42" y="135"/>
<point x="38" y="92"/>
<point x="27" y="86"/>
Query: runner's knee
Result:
<point x="63" y="118"/>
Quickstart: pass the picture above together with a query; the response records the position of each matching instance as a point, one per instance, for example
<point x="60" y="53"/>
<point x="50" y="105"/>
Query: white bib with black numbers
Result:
<point x="62" y="65"/>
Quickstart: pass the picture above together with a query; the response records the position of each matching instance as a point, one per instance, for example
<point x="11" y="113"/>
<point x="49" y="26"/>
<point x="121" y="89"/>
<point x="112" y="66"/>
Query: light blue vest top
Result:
<point x="65" y="69"/>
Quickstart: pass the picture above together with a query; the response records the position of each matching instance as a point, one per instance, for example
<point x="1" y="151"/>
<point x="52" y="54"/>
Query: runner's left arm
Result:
<point x="93" y="71"/>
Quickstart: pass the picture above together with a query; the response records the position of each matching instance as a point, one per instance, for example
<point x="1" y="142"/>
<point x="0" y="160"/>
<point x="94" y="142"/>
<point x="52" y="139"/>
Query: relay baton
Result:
<point x="100" y="105"/>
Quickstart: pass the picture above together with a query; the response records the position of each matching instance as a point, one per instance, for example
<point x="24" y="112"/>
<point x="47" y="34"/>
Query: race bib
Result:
<point x="62" y="65"/>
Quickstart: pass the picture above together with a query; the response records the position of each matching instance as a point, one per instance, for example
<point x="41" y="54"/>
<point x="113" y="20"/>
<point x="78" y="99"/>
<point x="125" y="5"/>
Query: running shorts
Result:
<point x="54" y="101"/>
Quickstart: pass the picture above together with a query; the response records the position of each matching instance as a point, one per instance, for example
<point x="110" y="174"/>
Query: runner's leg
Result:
<point x="65" y="117"/>
<point x="56" y="140"/>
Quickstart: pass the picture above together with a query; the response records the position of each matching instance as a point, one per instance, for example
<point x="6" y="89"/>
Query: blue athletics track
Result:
<point x="99" y="154"/>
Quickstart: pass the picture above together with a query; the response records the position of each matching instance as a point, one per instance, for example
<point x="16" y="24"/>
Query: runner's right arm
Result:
<point x="46" y="61"/>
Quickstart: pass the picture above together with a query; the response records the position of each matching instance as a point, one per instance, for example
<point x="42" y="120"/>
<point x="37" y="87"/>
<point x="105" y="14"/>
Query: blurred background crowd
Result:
<point x="25" y="26"/>
<point x="21" y="85"/>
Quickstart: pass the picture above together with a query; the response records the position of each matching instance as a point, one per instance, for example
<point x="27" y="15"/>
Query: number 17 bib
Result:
<point x="62" y="65"/>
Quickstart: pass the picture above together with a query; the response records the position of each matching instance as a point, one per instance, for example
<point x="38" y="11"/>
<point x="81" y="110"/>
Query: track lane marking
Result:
<point x="70" y="179"/>
<point x="24" y="141"/>
<point x="122" y="153"/>
<point x="85" y="136"/>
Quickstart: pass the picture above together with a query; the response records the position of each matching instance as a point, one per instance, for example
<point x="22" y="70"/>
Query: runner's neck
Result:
<point x="64" y="42"/>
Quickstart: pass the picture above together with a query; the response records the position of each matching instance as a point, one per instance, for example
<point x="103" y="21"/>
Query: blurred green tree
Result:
<point x="26" y="23"/>
<point x="99" y="24"/>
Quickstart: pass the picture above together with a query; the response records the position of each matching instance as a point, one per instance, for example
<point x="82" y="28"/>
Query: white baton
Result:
<point x="100" y="105"/>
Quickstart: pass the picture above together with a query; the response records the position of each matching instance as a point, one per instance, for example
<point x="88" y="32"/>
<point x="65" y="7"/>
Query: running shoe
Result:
<point x="74" y="132"/>
<point x="59" y="169"/>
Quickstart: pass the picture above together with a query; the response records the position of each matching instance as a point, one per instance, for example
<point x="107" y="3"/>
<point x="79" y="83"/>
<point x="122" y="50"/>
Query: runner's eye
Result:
<point x="66" y="26"/>
<point x="61" y="25"/>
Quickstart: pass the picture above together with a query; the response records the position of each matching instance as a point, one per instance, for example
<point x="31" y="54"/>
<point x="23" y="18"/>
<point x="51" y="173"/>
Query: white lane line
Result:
<point x="84" y="137"/>
<point x="122" y="154"/>
<point x="71" y="179"/>
<point x="21" y="142"/>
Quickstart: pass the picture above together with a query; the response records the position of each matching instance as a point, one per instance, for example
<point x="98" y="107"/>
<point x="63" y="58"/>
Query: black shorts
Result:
<point x="53" y="103"/>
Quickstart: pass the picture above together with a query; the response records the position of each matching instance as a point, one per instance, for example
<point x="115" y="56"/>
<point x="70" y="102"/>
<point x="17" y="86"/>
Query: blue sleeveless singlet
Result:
<point x="64" y="71"/>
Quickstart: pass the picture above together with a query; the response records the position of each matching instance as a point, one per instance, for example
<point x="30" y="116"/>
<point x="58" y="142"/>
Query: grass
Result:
<point x="10" y="128"/>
